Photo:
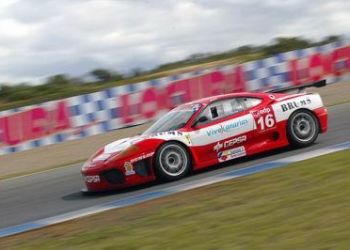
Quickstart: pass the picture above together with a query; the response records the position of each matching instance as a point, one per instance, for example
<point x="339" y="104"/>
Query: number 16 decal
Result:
<point x="264" y="119"/>
<point x="266" y="122"/>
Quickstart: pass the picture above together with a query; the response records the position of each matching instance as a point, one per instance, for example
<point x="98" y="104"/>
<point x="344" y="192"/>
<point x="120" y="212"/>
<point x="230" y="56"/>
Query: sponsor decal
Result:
<point x="230" y="154"/>
<point x="188" y="139"/>
<point x="234" y="141"/>
<point x="227" y="128"/>
<point x="264" y="119"/>
<point x="261" y="112"/>
<point x="141" y="157"/>
<point x="171" y="133"/>
<point x="129" y="168"/>
<point x="167" y="133"/>
<point x="218" y="146"/>
<point x="295" y="104"/>
<point x="92" y="179"/>
<point x="230" y="143"/>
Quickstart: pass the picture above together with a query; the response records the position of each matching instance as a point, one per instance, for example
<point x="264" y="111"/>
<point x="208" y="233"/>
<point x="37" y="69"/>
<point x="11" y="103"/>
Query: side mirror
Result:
<point x="200" y="120"/>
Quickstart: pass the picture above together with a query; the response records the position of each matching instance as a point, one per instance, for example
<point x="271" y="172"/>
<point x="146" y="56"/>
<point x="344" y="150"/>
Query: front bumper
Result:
<point x="102" y="177"/>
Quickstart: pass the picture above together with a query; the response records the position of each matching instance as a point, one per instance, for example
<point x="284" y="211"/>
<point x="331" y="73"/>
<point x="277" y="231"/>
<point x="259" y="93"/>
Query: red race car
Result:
<point x="205" y="132"/>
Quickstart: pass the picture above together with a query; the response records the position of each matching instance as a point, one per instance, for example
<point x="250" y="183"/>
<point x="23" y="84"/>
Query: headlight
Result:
<point x="102" y="157"/>
<point x="132" y="149"/>
<point x="98" y="156"/>
<point x="86" y="165"/>
<point x="99" y="152"/>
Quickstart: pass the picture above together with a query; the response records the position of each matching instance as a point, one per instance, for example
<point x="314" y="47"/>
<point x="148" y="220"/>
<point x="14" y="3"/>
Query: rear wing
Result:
<point x="300" y="88"/>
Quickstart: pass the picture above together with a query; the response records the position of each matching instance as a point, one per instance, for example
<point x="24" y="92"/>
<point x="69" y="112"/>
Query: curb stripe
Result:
<point x="136" y="199"/>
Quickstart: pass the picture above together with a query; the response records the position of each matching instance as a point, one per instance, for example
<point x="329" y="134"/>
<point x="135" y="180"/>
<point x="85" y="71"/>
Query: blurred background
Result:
<point x="55" y="49"/>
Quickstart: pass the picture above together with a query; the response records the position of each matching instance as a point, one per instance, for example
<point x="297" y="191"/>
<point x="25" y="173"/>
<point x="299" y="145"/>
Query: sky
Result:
<point x="41" y="38"/>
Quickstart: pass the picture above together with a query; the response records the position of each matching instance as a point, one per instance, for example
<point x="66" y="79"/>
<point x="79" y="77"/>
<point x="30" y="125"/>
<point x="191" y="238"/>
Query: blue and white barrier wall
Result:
<point x="80" y="116"/>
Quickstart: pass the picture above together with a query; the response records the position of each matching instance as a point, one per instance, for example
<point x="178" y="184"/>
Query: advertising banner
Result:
<point x="90" y="114"/>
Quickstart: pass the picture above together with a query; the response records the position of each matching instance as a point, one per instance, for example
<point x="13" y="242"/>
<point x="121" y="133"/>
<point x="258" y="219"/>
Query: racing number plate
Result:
<point x="264" y="119"/>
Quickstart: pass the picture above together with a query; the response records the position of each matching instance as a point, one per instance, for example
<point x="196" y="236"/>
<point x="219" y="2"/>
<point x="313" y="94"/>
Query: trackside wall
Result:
<point x="85" y="115"/>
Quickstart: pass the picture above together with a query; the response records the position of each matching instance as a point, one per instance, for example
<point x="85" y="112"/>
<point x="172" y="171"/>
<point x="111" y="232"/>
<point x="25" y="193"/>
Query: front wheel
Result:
<point x="302" y="129"/>
<point x="172" y="161"/>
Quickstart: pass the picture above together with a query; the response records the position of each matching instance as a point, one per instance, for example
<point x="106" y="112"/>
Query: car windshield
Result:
<point x="173" y="120"/>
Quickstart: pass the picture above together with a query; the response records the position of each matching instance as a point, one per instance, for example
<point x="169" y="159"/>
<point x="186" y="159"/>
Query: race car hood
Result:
<point x="121" y="144"/>
<point x="113" y="149"/>
<point x="125" y="143"/>
<point x="135" y="145"/>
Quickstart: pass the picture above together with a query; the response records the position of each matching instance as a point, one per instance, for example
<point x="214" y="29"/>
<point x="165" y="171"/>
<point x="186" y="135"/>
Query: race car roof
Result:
<point x="210" y="99"/>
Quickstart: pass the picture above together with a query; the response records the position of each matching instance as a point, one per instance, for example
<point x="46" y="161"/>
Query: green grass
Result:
<point x="303" y="206"/>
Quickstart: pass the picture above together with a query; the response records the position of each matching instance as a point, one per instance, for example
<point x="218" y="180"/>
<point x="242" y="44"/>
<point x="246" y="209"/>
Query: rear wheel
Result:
<point x="172" y="161"/>
<point x="302" y="129"/>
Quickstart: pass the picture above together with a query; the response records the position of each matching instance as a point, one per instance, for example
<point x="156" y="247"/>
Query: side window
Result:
<point x="214" y="111"/>
<point x="236" y="105"/>
<point x="250" y="102"/>
<point x="222" y="108"/>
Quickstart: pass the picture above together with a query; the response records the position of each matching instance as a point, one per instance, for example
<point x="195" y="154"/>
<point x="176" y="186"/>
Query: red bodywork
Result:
<point x="254" y="130"/>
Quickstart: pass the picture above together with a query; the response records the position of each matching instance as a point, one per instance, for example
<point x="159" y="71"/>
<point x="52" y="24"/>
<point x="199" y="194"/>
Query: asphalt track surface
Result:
<point x="57" y="191"/>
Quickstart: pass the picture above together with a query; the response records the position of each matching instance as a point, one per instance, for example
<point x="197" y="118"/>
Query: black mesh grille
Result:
<point x="113" y="176"/>
<point x="142" y="168"/>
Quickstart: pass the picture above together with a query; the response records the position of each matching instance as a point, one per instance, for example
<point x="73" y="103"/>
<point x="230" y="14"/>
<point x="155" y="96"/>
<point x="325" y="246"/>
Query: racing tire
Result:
<point x="302" y="129"/>
<point x="172" y="161"/>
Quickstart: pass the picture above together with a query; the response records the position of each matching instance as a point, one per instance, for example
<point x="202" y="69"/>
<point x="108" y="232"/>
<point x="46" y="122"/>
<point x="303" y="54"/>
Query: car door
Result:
<point x="223" y="135"/>
<point x="263" y="114"/>
<point x="265" y="130"/>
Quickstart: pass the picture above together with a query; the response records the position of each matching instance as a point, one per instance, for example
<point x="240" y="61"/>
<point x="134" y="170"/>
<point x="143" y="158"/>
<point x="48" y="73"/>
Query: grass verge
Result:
<point x="303" y="206"/>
